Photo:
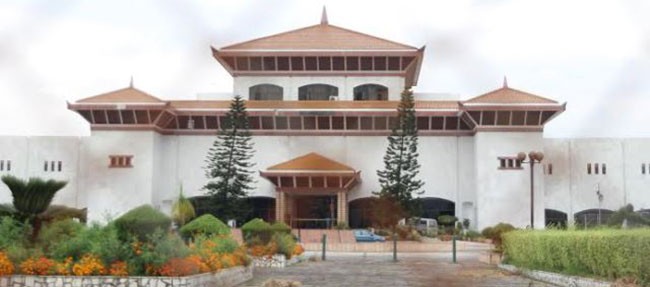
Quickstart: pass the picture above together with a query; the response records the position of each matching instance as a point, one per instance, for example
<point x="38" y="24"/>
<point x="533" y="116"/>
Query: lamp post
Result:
<point x="533" y="158"/>
<point x="600" y="202"/>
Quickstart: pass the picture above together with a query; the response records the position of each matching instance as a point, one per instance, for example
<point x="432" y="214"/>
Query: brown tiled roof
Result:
<point x="126" y="95"/>
<point x="322" y="36"/>
<point x="311" y="161"/>
<point x="507" y="95"/>
<point x="313" y="104"/>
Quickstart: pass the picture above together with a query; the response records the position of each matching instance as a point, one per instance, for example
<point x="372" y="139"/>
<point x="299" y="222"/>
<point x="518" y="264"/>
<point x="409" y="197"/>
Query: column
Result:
<point x="341" y="207"/>
<point x="279" y="206"/>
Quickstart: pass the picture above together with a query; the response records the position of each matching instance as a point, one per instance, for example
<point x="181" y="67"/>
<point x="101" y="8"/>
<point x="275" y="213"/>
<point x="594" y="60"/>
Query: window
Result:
<point x="317" y="92"/>
<point x="52" y="166"/>
<point x="509" y="163"/>
<point x="265" y="92"/>
<point x="643" y="168"/>
<point x="5" y="165"/>
<point x="370" y="92"/>
<point x="598" y="168"/>
<point x="550" y="168"/>
<point x="120" y="161"/>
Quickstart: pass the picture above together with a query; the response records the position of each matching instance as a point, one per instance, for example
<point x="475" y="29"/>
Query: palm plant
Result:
<point x="182" y="210"/>
<point x="32" y="197"/>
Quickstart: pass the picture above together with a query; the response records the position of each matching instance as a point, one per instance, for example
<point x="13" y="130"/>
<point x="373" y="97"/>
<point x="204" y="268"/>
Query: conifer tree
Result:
<point x="398" y="179"/>
<point x="228" y="165"/>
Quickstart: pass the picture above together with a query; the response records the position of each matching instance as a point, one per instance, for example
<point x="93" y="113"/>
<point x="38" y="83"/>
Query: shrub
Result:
<point x="156" y="251"/>
<point x="58" y="231"/>
<point x="6" y="267"/>
<point x="608" y="253"/>
<point x="141" y="222"/>
<point x="447" y="220"/>
<point x="179" y="267"/>
<point x="37" y="266"/>
<point x="285" y="242"/>
<point x="97" y="240"/>
<point x="205" y="225"/>
<point x="280" y="227"/>
<point x="256" y="229"/>
<point x="495" y="233"/>
<point x="205" y="245"/>
<point x="88" y="265"/>
<point x="12" y="233"/>
<point x="471" y="235"/>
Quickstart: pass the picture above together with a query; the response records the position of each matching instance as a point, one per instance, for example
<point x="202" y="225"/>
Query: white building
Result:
<point x="321" y="100"/>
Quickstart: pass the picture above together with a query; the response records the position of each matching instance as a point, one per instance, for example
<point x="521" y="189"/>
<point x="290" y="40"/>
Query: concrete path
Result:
<point x="378" y="270"/>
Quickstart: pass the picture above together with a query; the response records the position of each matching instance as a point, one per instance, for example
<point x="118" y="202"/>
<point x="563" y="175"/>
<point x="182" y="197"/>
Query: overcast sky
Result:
<point x="595" y="55"/>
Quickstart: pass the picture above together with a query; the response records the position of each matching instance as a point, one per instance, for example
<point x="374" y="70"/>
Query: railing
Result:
<point x="319" y="223"/>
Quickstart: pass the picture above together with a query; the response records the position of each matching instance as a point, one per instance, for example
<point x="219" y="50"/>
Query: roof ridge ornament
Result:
<point x="131" y="82"/>
<point x="323" y="17"/>
<point x="505" y="81"/>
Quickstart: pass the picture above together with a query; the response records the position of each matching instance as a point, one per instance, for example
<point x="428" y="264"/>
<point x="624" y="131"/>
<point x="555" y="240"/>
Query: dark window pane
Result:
<point x="366" y="123"/>
<point x="352" y="123"/>
<point x="381" y="123"/>
<point x="337" y="123"/>
<point x="296" y="64"/>
<point x="281" y="123"/>
<point x="503" y="118"/>
<point x="353" y="63"/>
<point x="309" y="123"/>
<point x="323" y="123"/>
<point x="295" y="123"/>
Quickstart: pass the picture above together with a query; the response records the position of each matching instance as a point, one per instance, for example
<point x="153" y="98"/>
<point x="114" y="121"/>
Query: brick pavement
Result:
<point x="431" y="269"/>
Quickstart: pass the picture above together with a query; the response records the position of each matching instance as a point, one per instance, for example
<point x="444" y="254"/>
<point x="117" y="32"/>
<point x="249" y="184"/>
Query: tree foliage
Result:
<point x="398" y="179"/>
<point x="228" y="164"/>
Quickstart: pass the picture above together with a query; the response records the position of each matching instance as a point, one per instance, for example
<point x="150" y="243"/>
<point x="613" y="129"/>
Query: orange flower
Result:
<point x="298" y="249"/>
<point x="39" y="266"/>
<point x="6" y="267"/>
<point x="203" y="267"/>
<point x="179" y="267"/>
<point x="118" y="268"/>
<point x="88" y="265"/>
<point x="64" y="268"/>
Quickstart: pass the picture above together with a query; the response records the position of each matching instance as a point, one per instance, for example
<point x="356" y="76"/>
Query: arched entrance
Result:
<point x="361" y="212"/>
<point x="592" y="217"/>
<point x="555" y="218"/>
<point x="433" y="207"/>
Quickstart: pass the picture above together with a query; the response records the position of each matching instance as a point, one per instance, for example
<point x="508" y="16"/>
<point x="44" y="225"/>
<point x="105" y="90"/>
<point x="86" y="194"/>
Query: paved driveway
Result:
<point x="434" y="269"/>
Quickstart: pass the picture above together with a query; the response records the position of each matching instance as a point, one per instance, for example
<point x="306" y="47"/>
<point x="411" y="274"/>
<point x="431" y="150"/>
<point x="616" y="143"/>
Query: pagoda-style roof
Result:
<point x="126" y="95"/>
<point x="311" y="162"/>
<point x="507" y="95"/>
<point x="504" y="109"/>
<point x="312" y="174"/>
<point x="322" y="50"/>
<point x="319" y="37"/>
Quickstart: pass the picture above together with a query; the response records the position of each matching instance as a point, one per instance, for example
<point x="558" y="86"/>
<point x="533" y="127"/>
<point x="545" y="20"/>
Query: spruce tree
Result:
<point x="398" y="179"/>
<point x="228" y="165"/>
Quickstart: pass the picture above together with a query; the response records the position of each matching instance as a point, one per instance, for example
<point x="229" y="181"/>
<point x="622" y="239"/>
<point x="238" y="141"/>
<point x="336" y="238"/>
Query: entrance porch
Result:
<point x="312" y="191"/>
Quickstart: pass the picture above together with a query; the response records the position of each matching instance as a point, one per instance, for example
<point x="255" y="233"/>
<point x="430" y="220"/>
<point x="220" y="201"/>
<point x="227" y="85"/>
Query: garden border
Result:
<point x="227" y="277"/>
<point x="556" y="278"/>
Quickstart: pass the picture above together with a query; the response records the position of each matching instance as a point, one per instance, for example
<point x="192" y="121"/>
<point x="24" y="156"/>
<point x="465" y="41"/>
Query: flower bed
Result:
<point x="226" y="277"/>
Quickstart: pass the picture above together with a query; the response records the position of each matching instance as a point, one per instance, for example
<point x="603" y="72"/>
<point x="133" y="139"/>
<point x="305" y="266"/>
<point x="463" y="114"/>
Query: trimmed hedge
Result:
<point x="205" y="224"/>
<point x="606" y="253"/>
<point x="142" y="221"/>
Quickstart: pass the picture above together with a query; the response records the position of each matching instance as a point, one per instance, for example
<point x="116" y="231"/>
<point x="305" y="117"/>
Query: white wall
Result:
<point x="28" y="155"/>
<point x="113" y="191"/>
<point x="504" y="195"/>
<point x="290" y="85"/>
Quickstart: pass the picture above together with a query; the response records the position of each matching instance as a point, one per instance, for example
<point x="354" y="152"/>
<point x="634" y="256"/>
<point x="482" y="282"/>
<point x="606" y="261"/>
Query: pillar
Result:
<point x="342" y="207"/>
<point x="280" y="206"/>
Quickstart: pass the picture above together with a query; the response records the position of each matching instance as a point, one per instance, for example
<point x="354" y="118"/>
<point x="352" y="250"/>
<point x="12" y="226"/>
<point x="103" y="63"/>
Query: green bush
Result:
<point x="58" y="231"/>
<point x="222" y="244"/>
<point x="205" y="224"/>
<point x="447" y="220"/>
<point x="257" y="229"/>
<point x="496" y="233"/>
<point x="13" y="232"/>
<point x="605" y="253"/>
<point x="471" y="235"/>
<point x="285" y="242"/>
<point x="101" y="241"/>
<point x="160" y="247"/>
<point x="141" y="222"/>
<point x="280" y="227"/>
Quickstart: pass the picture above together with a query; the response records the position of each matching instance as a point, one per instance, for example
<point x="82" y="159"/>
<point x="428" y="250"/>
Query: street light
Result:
<point x="600" y="201"/>
<point x="533" y="158"/>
